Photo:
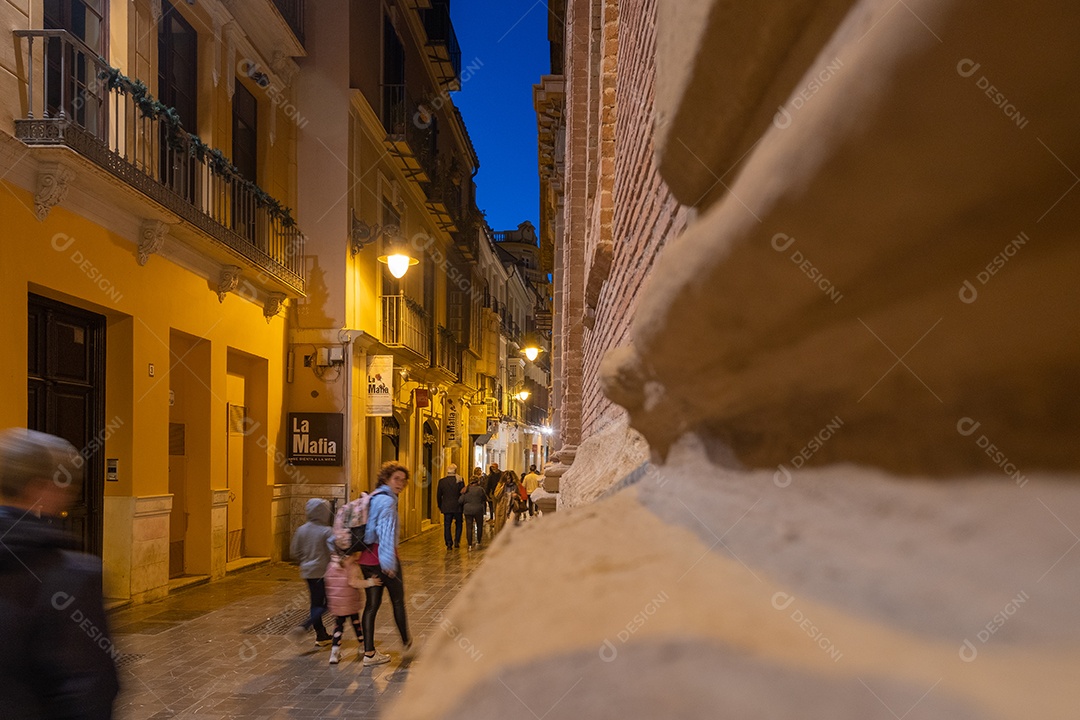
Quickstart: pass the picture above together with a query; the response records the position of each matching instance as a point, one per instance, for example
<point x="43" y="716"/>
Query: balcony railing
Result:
<point x="404" y="324"/>
<point x="447" y="352"/>
<point x="293" y="12"/>
<point x="76" y="100"/>
<point x="445" y="52"/>
<point x="468" y="371"/>
<point x="408" y="133"/>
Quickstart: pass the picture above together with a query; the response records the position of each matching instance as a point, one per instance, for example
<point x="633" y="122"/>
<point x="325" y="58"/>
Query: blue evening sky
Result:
<point x="504" y="51"/>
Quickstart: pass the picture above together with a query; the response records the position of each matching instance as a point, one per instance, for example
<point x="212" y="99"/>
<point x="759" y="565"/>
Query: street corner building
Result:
<point x="205" y="208"/>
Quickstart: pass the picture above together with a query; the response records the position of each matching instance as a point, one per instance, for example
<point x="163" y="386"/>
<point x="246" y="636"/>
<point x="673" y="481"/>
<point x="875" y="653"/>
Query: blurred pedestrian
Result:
<point x="531" y="481"/>
<point x="473" y="502"/>
<point x="56" y="656"/>
<point x="490" y="483"/>
<point x="380" y="559"/>
<point x="310" y="548"/>
<point x="448" y="496"/>
<point x="507" y="484"/>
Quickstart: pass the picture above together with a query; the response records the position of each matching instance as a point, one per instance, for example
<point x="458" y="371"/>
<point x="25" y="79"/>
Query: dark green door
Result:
<point x="66" y="397"/>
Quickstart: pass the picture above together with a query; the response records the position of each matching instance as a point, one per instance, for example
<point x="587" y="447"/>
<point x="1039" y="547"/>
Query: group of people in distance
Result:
<point x="500" y="492"/>
<point x="358" y="553"/>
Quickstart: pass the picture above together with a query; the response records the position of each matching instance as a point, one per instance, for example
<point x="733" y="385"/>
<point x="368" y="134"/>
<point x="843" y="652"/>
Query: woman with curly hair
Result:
<point x="508" y="482"/>
<point x="380" y="559"/>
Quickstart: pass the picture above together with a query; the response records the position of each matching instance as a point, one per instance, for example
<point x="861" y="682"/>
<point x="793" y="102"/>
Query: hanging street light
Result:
<point x="396" y="256"/>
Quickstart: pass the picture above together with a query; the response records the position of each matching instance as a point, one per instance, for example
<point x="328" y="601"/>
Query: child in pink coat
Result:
<point x="344" y="597"/>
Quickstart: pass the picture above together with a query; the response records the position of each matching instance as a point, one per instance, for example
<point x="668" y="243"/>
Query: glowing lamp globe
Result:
<point x="398" y="263"/>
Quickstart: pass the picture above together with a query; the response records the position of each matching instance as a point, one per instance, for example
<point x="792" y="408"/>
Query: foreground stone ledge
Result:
<point x="716" y="593"/>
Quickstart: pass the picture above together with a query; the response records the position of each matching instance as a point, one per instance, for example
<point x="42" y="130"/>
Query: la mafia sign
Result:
<point x="316" y="438"/>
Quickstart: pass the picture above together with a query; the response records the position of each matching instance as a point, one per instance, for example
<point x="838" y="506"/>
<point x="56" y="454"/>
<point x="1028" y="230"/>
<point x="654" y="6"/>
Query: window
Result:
<point x="178" y="85"/>
<point x="245" y="152"/>
<point x="78" y="90"/>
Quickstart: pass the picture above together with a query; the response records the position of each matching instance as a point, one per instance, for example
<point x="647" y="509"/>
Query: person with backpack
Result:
<point x="519" y="500"/>
<point x="473" y="503"/>
<point x="309" y="548"/>
<point x="380" y="559"/>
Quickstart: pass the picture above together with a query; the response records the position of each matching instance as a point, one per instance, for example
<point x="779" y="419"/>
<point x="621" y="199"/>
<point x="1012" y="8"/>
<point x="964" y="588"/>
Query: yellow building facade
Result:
<point x="386" y="162"/>
<point x="145" y="274"/>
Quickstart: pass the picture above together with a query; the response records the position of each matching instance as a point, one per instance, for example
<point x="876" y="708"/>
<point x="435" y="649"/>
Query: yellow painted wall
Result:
<point x="76" y="261"/>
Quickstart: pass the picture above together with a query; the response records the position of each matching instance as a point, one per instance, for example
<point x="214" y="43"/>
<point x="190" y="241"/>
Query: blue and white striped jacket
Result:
<point x="382" y="526"/>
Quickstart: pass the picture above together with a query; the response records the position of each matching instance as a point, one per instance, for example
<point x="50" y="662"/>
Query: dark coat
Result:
<point x="448" y="494"/>
<point x="56" y="658"/>
<point x="474" y="501"/>
<point x="491" y="481"/>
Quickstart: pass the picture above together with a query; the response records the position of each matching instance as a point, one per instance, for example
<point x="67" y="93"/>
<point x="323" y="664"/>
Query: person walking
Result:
<point x="473" y="503"/>
<point x="448" y="496"/>
<point x="507" y="483"/>
<point x="490" y="483"/>
<point x="56" y="657"/>
<point x="310" y="547"/>
<point x="531" y="482"/>
<point x="343" y="597"/>
<point x="380" y="559"/>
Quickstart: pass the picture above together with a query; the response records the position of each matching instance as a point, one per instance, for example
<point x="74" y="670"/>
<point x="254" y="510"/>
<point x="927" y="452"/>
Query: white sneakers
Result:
<point x="335" y="655"/>
<point x="377" y="659"/>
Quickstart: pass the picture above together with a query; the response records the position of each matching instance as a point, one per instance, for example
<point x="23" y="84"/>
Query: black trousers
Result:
<point x="317" y="591"/>
<point x="474" y="522"/>
<point x="373" y="596"/>
<point x="456" y="518"/>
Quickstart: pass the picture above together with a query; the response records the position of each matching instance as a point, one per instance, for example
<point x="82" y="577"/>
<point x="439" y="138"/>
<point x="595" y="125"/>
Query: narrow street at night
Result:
<point x="222" y="650"/>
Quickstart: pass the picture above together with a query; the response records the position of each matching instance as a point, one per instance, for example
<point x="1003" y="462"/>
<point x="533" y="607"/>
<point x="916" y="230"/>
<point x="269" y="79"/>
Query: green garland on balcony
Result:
<point x="180" y="140"/>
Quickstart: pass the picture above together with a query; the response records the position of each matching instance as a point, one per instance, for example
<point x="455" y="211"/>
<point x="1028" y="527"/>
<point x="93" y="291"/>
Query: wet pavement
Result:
<point x="221" y="650"/>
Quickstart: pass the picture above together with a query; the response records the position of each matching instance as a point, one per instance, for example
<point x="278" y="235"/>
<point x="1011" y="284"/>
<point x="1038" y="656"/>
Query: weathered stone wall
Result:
<point x="636" y="212"/>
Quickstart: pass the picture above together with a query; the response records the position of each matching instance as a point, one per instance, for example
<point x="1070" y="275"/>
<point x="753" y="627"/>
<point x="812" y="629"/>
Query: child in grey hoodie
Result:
<point x="311" y="549"/>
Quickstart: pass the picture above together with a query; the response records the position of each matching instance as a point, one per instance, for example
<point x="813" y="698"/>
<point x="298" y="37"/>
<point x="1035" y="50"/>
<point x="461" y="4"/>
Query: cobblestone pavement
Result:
<point x="220" y="650"/>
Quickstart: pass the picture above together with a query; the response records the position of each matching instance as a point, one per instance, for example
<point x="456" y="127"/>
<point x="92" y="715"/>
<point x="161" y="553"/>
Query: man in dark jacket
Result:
<point x="473" y="501"/>
<point x="490" y="483"/>
<point x="56" y="658"/>
<point x="448" y="495"/>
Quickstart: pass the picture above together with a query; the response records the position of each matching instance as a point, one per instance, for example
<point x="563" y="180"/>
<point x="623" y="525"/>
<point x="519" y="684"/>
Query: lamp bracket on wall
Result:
<point x="364" y="234"/>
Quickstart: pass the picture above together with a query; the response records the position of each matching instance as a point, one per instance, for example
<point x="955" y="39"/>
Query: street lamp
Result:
<point x="530" y="348"/>
<point x="522" y="395"/>
<point x="396" y="257"/>
<point x="398" y="261"/>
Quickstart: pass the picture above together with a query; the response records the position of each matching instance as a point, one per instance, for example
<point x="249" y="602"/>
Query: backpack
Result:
<point x="350" y="525"/>
<point x="518" y="500"/>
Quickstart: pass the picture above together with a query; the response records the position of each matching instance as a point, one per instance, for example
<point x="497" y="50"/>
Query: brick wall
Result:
<point x="645" y="214"/>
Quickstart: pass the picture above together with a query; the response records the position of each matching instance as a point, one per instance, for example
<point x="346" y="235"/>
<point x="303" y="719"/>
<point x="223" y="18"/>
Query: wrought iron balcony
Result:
<point x="293" y="12"/>
<point x="443" y="48"/>
<point x="447" y="352"/>
<point x="467" y="237"/>
<point x="409" y="139"/>
<point x="405" y="325"/>
<point x="75" y="100"/>
<point x="469" y="376"/>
